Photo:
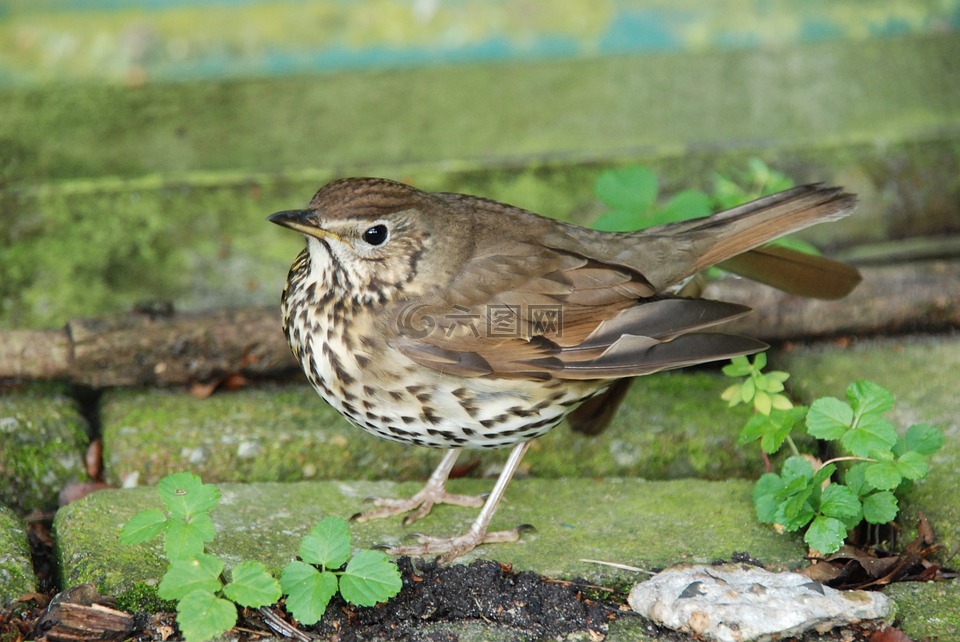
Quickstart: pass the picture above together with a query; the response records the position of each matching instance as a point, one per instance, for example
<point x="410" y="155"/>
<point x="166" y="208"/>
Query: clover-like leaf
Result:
<point x="201" y="615"/>
<point x="765" y="497"/>
<point x="252" y="585"/>
<point x="829" y="418"/>
<point x="912" y="465"/>
<point x="308" y="591"/>
<point x="883" y="475"/>
<point x="872" y="433"/>
<point x="839" y="501"/>
<point x="370" y="577"/>
<point x="185" y="576"/>
<point x="923" y="438"/>
<point x="185" y="540"/>
<point x="632" y="188"/>
<point x="186" y="496"/>
<point x="867" y="397"/>
<point x="825" y="534"/>
<point x="327" y="544"/>
<point x="880" y="507"/>
<point x="143" y="526"/>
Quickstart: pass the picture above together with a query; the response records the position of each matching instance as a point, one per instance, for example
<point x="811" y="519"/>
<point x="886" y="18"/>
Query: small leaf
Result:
<point x="370" y="577"/>
<point x="201" y="615"/>
<point x="185" y="540"/>
<point x="765" y="500"/>
<point x="762" y="403"/>
<point x="251" y="585"/>
<point x="855" y="478"/>
<point x="912" y="465"/>
<point x="823" y="474"/>
<point x="143" y="526"/>
<point x="839" y="501"/>
<point x="738" y="367"/>
<point x="880" y="507"/>
<point x="760" y="361"/>
<point x="872" y="433"/>
<point x="308" y="591"/>
<point x="747" y="389"/>
<point x="780" y="402"/>
<point x="829" y="418"/>
<point x="185" y="576"/>
<point x="731" y="395"/>
<point x="826" y="534"/>
<point x="185" y="495"/>
<point x="778" y="375"/>
<point x="632" y="188"/>
<point x="327" y="544"/>
<point x="883" y="475"/>
<point x="617" y="220"/>
<point x="685" y="205"/>
<point x="867" y="397"/>
<point x="795" y="467"/>
<point x="924" y="439"/>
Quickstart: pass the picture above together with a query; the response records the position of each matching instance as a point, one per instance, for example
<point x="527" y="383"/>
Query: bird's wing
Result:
<point x="523" y="310"/>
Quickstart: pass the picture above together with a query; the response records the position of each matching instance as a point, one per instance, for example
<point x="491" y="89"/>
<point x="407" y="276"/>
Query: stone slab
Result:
<point x="626" y="521"/>
<point x="921" y="372"/>
<point x="16" y="569"/>
<point x="672" y="425"/>
<point x="43" y="439"/>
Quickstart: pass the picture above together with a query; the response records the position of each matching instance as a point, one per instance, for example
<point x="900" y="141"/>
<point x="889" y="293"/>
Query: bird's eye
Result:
<point x="376" y="235"/>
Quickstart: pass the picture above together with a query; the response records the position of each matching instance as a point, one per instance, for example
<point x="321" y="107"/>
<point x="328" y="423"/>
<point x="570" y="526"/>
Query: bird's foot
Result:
<point x="417" y="506"/>
<point x="450" y="548"/>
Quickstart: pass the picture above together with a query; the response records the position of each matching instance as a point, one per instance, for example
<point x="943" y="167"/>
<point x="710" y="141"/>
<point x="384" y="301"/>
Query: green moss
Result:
<point x="43" y="439"/>
<point x="16" y="569"/>
<point x="671" y="426"/>
<point x="927" y="611"/>
<point x="647" y="524"/>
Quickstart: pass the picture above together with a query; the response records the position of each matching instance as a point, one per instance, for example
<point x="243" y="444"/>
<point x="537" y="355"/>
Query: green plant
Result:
<point x="207" y="600"/>
<point x="369" y="576"/>
<point x="829" y="498"/>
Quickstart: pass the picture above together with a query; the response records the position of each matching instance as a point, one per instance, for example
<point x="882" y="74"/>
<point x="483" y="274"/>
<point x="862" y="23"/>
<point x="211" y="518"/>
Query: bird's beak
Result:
<point x="303" y="221"/>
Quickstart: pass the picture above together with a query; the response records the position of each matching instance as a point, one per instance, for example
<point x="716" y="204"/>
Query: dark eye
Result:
<point x="376" y="235"/>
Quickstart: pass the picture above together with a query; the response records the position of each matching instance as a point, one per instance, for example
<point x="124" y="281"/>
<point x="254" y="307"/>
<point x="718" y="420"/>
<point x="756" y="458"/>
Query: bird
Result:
<point x="457" y="322"/>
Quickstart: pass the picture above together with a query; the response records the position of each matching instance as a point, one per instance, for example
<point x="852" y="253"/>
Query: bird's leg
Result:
<point x="452" y="547"/>
<point x="433" y="492"/>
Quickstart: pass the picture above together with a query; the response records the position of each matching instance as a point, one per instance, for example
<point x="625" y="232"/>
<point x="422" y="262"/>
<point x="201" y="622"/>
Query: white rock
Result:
<point x="736" y="602"/>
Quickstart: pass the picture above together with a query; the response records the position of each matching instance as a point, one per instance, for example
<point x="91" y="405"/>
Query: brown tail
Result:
<point x="724" y="238"/>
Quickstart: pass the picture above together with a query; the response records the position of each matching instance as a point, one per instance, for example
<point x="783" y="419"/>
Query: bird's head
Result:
<point x="374" y="240"/>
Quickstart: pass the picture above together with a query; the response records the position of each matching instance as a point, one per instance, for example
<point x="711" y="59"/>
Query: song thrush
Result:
<point x="454" y="322"/>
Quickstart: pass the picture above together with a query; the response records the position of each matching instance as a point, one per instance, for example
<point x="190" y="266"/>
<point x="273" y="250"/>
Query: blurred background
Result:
<point x="142" y="144"/>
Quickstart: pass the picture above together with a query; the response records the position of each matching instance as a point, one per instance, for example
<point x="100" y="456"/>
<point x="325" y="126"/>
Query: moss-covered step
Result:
<point x="874" y="91"/>
<point x="175" y="203"/>
<point x="672" y="425"/>
<point x="921" y="372"/>
<point x="16" y="569"/>
<point x="43" y="439"/>
<point x="202" y="241"/>
<point x="627" y="521"/>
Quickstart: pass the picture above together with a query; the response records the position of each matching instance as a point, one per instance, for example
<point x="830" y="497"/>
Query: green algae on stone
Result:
<point x="43" y="439"/>
<point x="672" y="425"/>
<point x="918" y="370"/>
<point x="628" y="521"/>
<point x="928" y="610"/>
<point x="16" y="567"/>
